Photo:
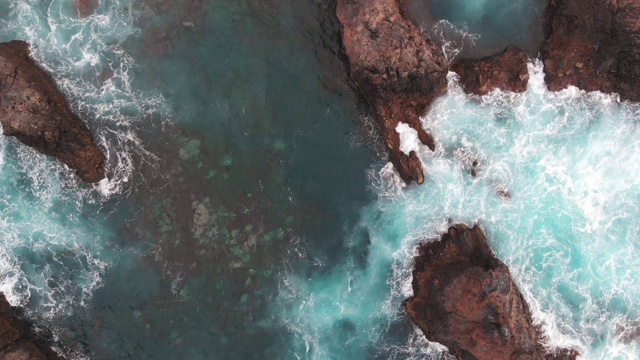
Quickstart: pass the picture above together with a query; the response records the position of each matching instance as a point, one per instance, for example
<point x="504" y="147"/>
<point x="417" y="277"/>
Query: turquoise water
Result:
<point x="246" y="214"/>
<point x="567" y="231"/>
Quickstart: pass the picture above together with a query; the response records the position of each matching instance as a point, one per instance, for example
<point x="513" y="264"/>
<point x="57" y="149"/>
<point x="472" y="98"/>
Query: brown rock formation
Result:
<point x="34" y="111"/>
<point x="465" y="299"/>
<point x="86" y="8"/>
<point x="594" y="45"/>
<point x="398" y="70"/>
<point x="17" y="340"/>
<point x="506" y="70"/>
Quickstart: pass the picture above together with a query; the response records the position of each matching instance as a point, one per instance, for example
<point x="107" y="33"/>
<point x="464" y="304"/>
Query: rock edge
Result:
<point x="34" y="111"/>
<point x="465" y="298"/>
<point x="18" y="341"/>
<point x="397" y="69"/>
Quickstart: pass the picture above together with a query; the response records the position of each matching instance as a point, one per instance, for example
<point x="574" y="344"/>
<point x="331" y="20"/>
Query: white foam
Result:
<point x="567" y="229"/>
<point x="409" y="140"/>
<point x="74" y="51"/>
<point x="453" y="38"/>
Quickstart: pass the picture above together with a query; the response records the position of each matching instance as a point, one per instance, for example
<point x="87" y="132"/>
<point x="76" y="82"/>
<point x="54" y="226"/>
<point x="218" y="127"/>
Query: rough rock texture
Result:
<point x="17" y="340"/>
<point x="465" y="299"/>
<point x="506" y="70"/>
<point x="594" y="45"/>
<point x="398" y="70"/>
<point x="34" y="111"/>
<point x="86" y="8"/>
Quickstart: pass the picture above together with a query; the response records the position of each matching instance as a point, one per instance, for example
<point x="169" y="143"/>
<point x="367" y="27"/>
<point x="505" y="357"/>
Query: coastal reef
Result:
<point x="397" y="69"/>
<point x="465" y="298"/>
<point x="34" y="111"/>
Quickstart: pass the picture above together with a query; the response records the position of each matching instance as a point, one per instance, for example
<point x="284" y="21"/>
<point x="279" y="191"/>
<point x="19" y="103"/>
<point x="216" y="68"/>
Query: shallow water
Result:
<point x="229" y="138"/>
<point x="246" y="216"/>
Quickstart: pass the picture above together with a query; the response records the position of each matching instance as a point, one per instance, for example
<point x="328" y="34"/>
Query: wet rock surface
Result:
<point x="18" y="341"/>
<point x="507" y="71"/>
<point x="594" y="45"/>
<point x="398" y="70"/>
<point x="465" y="299"/>
<point x="33" y="110"/>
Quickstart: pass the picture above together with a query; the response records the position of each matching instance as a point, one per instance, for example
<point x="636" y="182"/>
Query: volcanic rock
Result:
<point x="465" y="299"/>
<point x="17" y="339"/>
<point x="594" y="45"/>
<point x="33" y="110"/>
<point x="507" y="71"/>
<point x="398" y="70"/>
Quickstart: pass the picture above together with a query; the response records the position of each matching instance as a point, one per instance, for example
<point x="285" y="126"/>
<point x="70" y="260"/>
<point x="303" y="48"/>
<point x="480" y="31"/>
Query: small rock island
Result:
<point x="465" y="298"/>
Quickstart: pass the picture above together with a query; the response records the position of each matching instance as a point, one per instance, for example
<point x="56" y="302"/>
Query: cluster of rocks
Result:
<point x="464" y="297"/>
<point x="399" y="71"/>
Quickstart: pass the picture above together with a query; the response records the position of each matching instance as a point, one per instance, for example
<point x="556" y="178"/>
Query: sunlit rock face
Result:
<point x="593" y="45"/>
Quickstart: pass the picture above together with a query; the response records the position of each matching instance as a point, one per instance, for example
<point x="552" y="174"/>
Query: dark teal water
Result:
<point x="233" y="138"/>
<point x="481" y="27"/>
<point x="248" y="215"/>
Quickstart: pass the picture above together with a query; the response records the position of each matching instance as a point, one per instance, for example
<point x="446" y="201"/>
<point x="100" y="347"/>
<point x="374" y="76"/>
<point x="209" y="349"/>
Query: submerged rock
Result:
<point x="465" y="299"/>
<point x="594" y="45"/>
<point x="17" y="340"/>
<point x="507" y="71"/>
<point x="33" y="110"/>
<point x="86" y="8"/>
<point x="398" y="70"/>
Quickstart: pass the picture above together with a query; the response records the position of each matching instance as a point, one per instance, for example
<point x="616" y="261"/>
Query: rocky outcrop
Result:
<point x="594" y="45"/>
<point x="33" y="110"/>
<point x="507" y="71"/>
<point x="17" y="340"/>
<point x="398" y="70"/>
<point x="465" y="299"/>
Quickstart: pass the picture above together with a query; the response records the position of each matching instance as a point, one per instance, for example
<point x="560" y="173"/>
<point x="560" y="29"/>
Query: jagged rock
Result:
<point x="398" y="70"/>
<point x="465" y="299"/>
<point x="33" y="110"/>
<point x="594" y="45"/>
<point x="507" y="71"/>
<point x="17" y="340"/>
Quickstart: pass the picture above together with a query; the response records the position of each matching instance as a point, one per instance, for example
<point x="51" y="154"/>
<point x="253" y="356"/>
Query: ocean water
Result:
<point x="556" y="192"/>
<point x="248" y="211"/>
<point x="231" y="136"/>
<point x="482" y="27"/>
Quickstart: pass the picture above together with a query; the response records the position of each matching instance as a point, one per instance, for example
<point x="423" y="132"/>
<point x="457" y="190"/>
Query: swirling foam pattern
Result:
<point x="557" y="191"/>
<point x="53" y="252"/>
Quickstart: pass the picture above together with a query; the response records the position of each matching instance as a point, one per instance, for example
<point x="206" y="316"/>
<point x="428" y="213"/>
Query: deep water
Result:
<point x="247" y="214"/>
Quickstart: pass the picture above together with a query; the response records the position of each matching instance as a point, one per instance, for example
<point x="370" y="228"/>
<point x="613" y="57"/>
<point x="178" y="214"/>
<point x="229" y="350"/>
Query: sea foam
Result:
<point x="557" y="192"/>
